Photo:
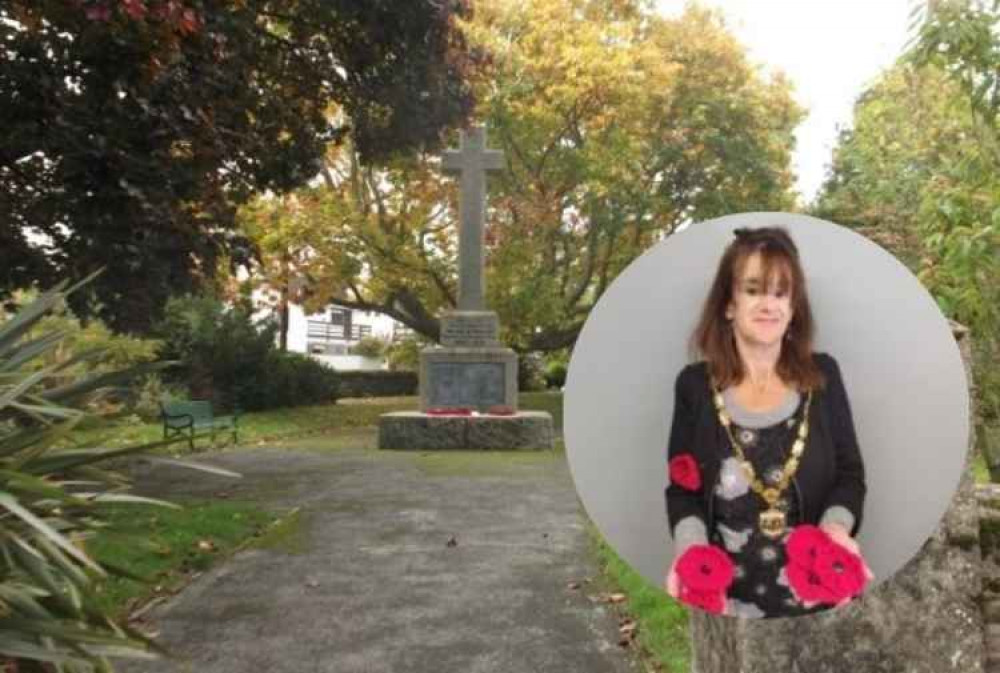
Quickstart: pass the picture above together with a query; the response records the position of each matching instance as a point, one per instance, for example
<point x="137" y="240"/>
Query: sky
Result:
<point x="830" y="49"/>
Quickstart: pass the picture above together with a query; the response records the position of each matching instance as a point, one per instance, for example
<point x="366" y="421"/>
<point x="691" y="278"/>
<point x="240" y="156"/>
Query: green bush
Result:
<point x="404" y="354"/>
<point x="555" y="368"/>
<point x="55" y="499"/>
<point x="555" y="375"/>
<point x="150" y="390"/>
<point x="371" y="347"/>
<point x="287" y="380"/>
<point x="231" y="359"/>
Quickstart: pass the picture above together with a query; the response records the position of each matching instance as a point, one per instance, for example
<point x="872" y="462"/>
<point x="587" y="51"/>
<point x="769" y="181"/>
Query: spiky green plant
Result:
<point x="52" y="494"/>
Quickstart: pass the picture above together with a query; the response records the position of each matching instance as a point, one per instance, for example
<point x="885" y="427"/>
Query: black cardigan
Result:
<point x="831" y="471"/>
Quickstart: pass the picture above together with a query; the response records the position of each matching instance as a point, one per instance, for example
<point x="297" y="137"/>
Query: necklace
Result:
<point x="772" y="521"/>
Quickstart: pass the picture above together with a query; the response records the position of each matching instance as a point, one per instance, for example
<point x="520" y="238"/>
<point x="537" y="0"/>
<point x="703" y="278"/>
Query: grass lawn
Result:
<point x="168" y="546"/>
<point x="662" y="632"/>
<point x="274" y="424"/>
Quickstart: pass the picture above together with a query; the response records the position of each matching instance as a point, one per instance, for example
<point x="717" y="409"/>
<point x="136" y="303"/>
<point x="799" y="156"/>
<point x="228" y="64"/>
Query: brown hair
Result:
<point x="714" y="338"/>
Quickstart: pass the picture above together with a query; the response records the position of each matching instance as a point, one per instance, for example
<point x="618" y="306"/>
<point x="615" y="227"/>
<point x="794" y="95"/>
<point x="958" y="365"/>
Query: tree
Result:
<point x="617" y="126"/>
<point x="908" y="129"/>
<point x="133" y="129"/>
<point x="914" y="173"/>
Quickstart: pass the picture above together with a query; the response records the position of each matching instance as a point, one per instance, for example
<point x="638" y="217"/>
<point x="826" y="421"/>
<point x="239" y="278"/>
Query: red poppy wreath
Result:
<point x="684" y="472"/>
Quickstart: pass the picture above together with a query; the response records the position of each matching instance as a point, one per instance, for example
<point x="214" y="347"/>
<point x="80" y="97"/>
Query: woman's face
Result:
<point x="760" y="312"/>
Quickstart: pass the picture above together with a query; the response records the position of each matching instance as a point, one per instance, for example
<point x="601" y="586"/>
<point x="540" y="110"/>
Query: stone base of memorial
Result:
<point x="415" y="430"/>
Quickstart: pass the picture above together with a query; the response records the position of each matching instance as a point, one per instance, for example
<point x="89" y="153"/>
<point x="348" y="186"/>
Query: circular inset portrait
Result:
<point x="766" y="414"/>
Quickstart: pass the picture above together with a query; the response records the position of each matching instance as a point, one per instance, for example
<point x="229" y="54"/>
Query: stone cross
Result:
<point x="470" y="162"/>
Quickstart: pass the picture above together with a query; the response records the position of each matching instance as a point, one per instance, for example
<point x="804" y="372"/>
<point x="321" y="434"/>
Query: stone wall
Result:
<point x="927" y="618"/>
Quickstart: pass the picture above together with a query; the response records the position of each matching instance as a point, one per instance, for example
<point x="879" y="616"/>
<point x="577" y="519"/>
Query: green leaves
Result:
<point x="920" y="171"/>
<point x="130" y="142"/>
<point x="51" y="499"/>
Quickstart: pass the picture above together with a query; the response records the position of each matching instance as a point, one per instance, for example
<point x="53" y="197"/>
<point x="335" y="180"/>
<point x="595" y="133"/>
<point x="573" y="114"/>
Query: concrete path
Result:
<point x="403" y="563"/>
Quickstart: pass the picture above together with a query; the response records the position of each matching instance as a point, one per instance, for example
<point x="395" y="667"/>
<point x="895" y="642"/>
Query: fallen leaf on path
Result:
<point x="452" y="542"/>
<point x="206" y="545"/>
<point x="608" y="598"/>
<point x="573" y="585"/>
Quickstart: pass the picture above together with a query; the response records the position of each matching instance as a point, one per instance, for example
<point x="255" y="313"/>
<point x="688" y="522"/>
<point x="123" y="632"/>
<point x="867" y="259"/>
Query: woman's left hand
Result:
<point x="841" y="536"/>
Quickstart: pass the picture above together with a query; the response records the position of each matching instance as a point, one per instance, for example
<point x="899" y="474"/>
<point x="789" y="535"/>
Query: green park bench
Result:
<point x="195" y="418"/>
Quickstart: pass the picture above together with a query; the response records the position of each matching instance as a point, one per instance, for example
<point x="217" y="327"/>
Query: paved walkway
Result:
<point x="372" y="585"/>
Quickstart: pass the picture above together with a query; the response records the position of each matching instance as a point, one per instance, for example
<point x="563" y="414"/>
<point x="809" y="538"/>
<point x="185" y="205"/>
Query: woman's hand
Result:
<point x="841" y="536"/>
<point x="672" y="585"/>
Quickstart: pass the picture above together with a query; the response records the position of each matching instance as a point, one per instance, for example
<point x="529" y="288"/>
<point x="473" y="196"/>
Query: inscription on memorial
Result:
<point x="463" y="329"/>
<point x="466" y="384"/>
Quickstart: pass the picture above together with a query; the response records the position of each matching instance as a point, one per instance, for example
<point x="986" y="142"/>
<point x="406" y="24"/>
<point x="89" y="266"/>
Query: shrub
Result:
<point x="555" y="375"/>
<point x="54" y="499"/>
<point x="150" y="390"/>
<point x="556" y="366"/>
<point x="371" y="347"/>
<point x="286" y="380"/>
<point x="230" y="359"/>
<point x="404" y="354"/>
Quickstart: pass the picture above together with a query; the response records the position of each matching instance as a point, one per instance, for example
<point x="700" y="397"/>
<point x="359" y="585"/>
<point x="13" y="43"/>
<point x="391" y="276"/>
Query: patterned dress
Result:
<point x="760" y="587"/>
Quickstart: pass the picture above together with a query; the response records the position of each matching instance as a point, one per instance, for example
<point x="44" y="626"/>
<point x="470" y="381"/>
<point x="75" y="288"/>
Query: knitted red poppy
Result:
<point x="842" y="571"/>
<point x="684" y="472"/>
<point x="705" y="567"/>
<point x="819" y="569"/>
<point x="805" y="543"/>
<point x="709" y="601"/>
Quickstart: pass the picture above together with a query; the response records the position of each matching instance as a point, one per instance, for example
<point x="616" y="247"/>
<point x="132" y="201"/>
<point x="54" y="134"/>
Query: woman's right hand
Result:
<point x="672" y="583"/>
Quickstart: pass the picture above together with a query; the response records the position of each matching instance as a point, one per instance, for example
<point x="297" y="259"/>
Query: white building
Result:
<point x="328" y="336"/>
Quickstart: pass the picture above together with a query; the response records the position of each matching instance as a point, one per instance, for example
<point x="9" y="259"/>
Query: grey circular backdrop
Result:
<point x="901" y="367"/>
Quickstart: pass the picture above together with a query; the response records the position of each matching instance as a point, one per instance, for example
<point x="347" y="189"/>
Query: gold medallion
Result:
<point x="772" y="522"/>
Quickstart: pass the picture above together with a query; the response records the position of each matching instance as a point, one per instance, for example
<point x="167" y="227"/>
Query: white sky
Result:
<point x="830" y="49"/>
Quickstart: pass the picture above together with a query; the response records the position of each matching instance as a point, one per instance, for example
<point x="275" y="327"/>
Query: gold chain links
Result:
<point x="769" y="494"/>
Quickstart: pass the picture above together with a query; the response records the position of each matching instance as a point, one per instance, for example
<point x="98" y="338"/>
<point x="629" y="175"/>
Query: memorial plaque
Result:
<point x="470" y="329"/>
<point x="466" y="384"/>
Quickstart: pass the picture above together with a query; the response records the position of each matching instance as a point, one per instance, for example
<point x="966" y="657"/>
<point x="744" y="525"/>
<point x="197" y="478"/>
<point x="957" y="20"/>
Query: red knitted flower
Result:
<point x="808" y="586"/>
<point x="819" y="569"/>
<point x="805" y="543"/>
<point x="684" y="472"/>
<point x="704" y="567"/>
<point x="842" y="571"/>
<point x="709" y="601"/>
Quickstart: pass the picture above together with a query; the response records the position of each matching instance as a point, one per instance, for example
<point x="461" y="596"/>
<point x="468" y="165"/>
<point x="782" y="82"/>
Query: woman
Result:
<point x="762" y="440"/>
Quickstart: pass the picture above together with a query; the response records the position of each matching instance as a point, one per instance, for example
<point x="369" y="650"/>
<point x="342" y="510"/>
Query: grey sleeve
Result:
<point x="838" y="514"/>
<point x="689" y="531"/>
